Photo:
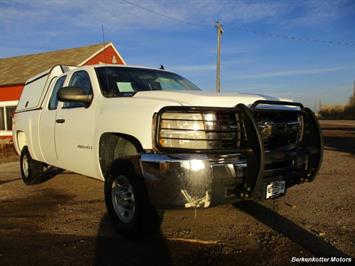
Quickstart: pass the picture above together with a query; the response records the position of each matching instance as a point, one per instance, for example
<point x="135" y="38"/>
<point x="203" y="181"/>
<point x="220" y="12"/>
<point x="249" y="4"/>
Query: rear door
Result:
<point x="47" y="125"/>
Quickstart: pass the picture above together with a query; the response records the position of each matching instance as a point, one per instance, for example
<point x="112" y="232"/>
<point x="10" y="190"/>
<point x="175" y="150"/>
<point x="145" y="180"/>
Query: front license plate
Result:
<point x="275" y="189"/>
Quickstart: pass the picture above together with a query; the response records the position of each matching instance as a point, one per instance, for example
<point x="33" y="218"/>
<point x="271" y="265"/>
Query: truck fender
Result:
<point x="21" y="141"/>
<point x="117" y="146"/>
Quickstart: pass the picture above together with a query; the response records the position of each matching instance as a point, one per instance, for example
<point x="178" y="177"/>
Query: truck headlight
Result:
<point x="199" y="130"/>
<point x="182" y="130"/>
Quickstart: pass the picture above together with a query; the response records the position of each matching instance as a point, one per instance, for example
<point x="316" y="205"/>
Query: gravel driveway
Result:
<point x="63" y="221"/>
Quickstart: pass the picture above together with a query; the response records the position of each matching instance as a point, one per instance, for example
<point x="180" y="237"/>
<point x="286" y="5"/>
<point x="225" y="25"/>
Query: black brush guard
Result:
<point x="257" y="176"/>
<point x="311" y="146"/>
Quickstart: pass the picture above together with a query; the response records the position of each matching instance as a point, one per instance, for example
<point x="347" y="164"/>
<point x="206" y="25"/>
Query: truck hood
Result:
<point x="201" y="98"/>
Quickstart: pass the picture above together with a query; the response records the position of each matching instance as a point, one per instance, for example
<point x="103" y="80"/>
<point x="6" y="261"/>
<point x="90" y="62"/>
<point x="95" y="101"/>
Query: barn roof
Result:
<point x="16" y="70"/>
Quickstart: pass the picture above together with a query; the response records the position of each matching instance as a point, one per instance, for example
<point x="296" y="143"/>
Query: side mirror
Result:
<point x="74" y="94"/>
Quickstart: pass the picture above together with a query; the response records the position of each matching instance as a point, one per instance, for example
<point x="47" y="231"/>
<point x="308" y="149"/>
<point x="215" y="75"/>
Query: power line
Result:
<point x="255" y="32"/>
<point x="293" y="38"/>
<point x="163" y="15"/>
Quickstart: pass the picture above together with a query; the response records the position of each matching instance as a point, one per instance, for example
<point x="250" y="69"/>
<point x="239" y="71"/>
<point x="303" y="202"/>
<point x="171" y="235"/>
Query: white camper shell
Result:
<point x="36" y="88"/>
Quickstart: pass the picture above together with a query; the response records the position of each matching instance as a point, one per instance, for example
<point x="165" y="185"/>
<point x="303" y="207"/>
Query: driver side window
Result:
<point x="53" y="103"/>
<point x="79" y="79"/>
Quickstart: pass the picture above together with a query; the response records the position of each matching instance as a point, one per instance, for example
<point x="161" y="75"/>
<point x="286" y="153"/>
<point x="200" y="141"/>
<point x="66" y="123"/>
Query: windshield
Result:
<point x="125" y="81"/>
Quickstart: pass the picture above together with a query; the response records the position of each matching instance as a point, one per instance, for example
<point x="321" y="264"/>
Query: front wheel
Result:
<point x="127" y="201"/>
<point x="31" y="170"/>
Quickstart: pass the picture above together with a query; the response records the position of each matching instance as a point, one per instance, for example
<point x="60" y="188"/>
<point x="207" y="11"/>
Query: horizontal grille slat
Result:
<point x="201" y="120"/>
<point x="205" y="130"/>
<point x="198" y="139"/>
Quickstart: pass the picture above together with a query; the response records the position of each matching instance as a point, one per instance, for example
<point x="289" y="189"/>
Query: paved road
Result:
<point x="63" y="221"/>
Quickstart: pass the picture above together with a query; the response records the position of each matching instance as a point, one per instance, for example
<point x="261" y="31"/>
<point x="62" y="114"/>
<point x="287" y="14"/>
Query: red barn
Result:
<point x="14" y="71"/>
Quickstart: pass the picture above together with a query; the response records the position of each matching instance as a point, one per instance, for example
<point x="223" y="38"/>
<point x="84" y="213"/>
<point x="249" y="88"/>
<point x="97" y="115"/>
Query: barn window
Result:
<point x="2" y="121"/>
<point x="6" y="113"/>
<point x="9" y="114"/>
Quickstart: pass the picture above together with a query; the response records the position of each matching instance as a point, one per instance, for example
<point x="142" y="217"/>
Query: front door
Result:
<point x="75" y="129"/>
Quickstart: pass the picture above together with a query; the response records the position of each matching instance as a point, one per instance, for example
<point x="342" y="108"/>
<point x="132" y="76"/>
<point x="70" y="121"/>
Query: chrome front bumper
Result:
<point x="198" y="180"/>
<point x="191" y="180"/>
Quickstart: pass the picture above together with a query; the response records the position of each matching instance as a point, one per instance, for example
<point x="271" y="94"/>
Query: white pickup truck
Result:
<point x="158" y="141"/>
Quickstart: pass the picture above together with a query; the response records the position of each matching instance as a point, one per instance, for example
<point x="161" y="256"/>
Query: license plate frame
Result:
<point x="275" y="189"/>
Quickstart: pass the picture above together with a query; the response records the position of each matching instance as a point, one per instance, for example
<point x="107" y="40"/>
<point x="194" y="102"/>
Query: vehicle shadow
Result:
<point x="2" y="182"/>
<point x="350" y="129"/>
<point x="339" y="139"/>
<point x="343" y="144"/>
<point x="48" y="174"/>
<point x="292" y="231"/>
<point x="113" y="249"/>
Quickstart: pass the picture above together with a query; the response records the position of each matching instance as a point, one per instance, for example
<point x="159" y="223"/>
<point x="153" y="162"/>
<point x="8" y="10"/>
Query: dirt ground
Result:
<point x="63" y="221"/>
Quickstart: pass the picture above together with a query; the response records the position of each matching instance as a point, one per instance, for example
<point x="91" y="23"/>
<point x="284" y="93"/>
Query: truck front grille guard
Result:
<point x="252" y="146"/>
<point x="255" y="156"/>
<point x="312" y="136"/>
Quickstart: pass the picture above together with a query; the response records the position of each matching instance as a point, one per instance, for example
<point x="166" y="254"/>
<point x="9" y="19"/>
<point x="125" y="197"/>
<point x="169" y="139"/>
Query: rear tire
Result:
<point x="127" y="201"/>
<point x="31" y="170"/>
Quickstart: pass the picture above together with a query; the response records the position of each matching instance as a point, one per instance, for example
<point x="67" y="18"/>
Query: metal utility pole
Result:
<point x="218" y="67"/>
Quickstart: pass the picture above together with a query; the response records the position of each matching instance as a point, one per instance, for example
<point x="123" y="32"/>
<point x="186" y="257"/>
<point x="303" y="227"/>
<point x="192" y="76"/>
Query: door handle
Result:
<point x="60" y="121"/>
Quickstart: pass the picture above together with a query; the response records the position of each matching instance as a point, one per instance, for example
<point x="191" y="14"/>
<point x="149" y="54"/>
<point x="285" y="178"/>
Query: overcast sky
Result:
<point x="303" y="50"/>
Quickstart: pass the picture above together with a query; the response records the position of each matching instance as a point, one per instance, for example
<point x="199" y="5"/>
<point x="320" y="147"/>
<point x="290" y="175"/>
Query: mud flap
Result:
<point x="312" y="140"/>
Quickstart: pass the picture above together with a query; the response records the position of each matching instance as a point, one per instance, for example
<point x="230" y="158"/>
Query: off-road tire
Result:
<point x="144" y="219"/>
<point x="31" y="170"/>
